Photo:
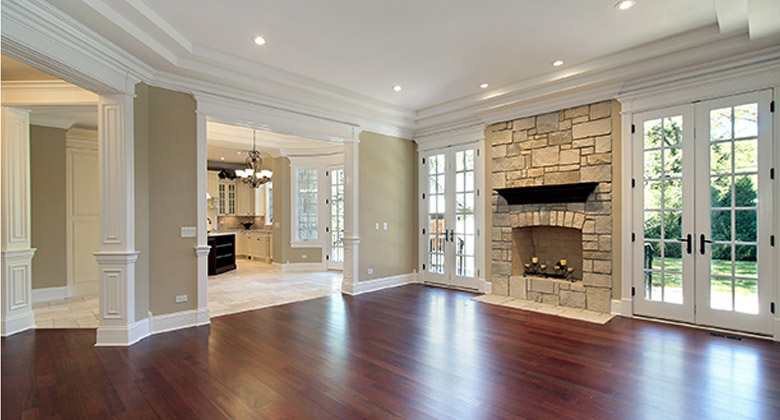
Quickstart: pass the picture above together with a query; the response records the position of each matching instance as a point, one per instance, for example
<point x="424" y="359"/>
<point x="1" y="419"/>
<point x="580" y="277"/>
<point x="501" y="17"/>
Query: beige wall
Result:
<point x="141" y="129"/>
<point x="48" y="206"/>
<point x="388" y="193"/>
<point x="171" y="147"/>
<point x="283" y="252"/>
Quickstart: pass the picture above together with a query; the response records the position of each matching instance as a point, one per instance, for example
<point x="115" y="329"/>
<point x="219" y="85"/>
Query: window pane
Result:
<point x="720" y="191"/>
<point x="653" y="166"/>
<point x="746" y="264"/>
<point x="720" y="158"/>
<point x="653" y="225"/>
<point x="672" y="225"/>
<point x="720" y="293"/>
<point x="673" y="130"/>
<point x="745" y="191"/>
<point x="673" y="193"/>
<point x="652" y="194"/>
<point x="746" y="296"/>
<point x="652" y="133"/>
<point x="746" y="120"/>
<point x="720" y="225"/>
<point x="672" y="161"/>
<point x="306" y="204"/>
<point x="746" y="156"/>
<point x="673" y="292"/>
<point x="720" y="124"/>
<point x="746" y="225"/>
<point x="721" y="263"/>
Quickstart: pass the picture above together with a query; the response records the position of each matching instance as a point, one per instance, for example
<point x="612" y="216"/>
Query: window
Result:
<point x="269" y="203"/>
<point x="337" y="215"/>
<point x="306" y="209"/>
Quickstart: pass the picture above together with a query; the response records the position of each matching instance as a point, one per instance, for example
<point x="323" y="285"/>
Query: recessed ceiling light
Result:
<point x="238" y="153"/>
<point x="625" y="4"/>
<point x="397" y="88"/>
<point x="259" y="40"/>
<point x="221" y="158"/>
<point x="484" y="86"/>
<point x="558" y="63"/>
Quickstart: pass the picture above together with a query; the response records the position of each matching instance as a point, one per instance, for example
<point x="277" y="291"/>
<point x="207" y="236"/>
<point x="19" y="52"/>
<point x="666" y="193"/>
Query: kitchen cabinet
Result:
<point x="249" y="201"/>
<point x="255" y="244"/>
<point x="226" y="198"/>
<point x="222" y="256"/>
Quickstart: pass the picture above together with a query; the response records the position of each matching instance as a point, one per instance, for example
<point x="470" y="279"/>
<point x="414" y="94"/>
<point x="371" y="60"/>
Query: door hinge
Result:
<point x="423" y="161"/>
<point x="772" y="240"/>
<point x="633" y="237"/>
<point x="477" y="152"/>
<point x="423" y="267"/>
<point x="327" y="201"/>
<point x="771" y="173"/>
<point x="772" y="106"/>
<point x="633" y="128"/>
<point x="477" y="192"/>
<point x="327" y="257"/>
<point x="633" y="291"/>
<point x="477" y="232"/>
<point x="327" y="173"/>
<point x="633" y="182"/>
<point x="772" y="307"/>
<point x="423" y="231"/>
<point x="423" y="196"/>
<point x="327" y="229"/>
<point x="477" y="273"/>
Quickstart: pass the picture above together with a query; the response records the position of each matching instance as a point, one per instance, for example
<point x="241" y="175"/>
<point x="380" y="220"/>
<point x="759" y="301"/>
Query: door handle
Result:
<point x="452" y="235"/>
<point x="702" y="241"/>
<point x="689" y="240"/>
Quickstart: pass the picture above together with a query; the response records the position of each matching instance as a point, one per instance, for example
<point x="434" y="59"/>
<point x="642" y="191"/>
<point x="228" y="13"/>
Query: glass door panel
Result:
<point x="465" y="220"/>
<point x="336" y="218"/>
<point x="437" y="232"/>
<point x="732" y="250"/>
<point x="666" y="215"/>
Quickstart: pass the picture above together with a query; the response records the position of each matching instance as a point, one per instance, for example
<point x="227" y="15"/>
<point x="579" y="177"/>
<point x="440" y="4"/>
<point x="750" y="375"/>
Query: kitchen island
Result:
<point x="222" y="256"/>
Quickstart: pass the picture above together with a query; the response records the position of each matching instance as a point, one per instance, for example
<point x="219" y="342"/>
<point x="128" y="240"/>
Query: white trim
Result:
<point x="485" y="286"/>
<point x="702" y="327"/>
<point x="123" y="335"/>
<point x="46" y="92"/>
<point x="382" y="283"/>
<point x="19" y="322"/>
<point x="621" y="307"/>
<point x="174" y="321"/>
<point x="50" y="293"/>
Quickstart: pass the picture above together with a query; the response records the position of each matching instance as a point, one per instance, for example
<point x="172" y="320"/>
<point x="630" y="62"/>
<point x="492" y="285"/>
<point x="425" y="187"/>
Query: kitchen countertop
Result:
<point x="237" y="231"/>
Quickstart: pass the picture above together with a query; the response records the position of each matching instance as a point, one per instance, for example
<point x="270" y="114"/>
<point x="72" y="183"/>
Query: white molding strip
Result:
<point x="174" y="321"/>
<point x="621" y="307"/>
<point x="301" y="267"/>
<point x="50" y="293"/>
<point x="383" y="283"/>
<point x="123" y="336"/>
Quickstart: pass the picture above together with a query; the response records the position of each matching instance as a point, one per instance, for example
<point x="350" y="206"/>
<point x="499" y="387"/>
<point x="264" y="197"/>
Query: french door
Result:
<point x="703" y="213"/>
<point x="450" y="213"/>
<point x="335" y="229"/>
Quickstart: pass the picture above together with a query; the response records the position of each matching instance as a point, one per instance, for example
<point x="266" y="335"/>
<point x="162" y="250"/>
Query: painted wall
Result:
<point x="48" y="206"/>
<point x="141" y="130"/>
<point x="170" y="154"/>
<point x="388" y="193"/>
<point x="283" y="252"/>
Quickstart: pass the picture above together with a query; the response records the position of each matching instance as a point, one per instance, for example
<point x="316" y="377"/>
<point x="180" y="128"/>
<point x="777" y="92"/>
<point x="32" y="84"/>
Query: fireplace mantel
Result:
<point x="561" y="193"/>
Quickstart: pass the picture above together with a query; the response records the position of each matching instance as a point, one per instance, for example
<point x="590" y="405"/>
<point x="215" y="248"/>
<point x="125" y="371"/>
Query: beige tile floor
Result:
<point x="252" y="285"/>
<point x="546" y="308"/>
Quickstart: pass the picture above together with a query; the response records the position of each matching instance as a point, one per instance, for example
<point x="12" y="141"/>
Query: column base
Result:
<point x="19" y="322"/>
<point x="122" y="335"/>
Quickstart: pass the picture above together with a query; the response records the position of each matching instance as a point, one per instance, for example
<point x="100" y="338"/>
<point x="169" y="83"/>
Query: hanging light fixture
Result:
<point x="254" y="175"/>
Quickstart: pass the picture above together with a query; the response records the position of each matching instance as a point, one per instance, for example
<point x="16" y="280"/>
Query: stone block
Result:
<point x="572" y="299"/>
<point x="580" y="111"/>
<point x="598" y="300"/>
<point x="599" y="173"/>
<point x="499" y="150"/>
<point x="553" y="178"/>
<point x="596" y="255"/>
<point x="502" y="137"/>
<point x="533" y="173"/>
<point x="589" y="226"/>
<point x="603" y="144"/>
<point x="501" y="220"/>
<point x="499" y="127"/>
<point x="579" y="219"/>
<point x="605" y="243"/>
<point x="519" y="136"/>
<point x="542" y="286"/>
<point x="602" y="266"/>
<point x="599" y="159"/>
<point x="545" y="156"/>
<point x="567" y="168"/>
<point x="570" y="156"/>
<point x="577" y="286"/>
<point x="590" y="246"/>
<point x="594" y="279"/>
<point x="587" y="265"/>
<point x="518" y="287"/>
<point x="559" y="137"/>
<point x="600" y="110"/>
<point x="500" y="285"/>
<point x="523" y="124"/>
<point x="508" y="163"/>
<point x="603" y="224"/>
<point x="564" y="125"/>
<point x="499" y="179"/>
<point x="579" y="144"/>
<point x="534" y="296"/>
<point x="568" y="219"/>
<point x="550" y="299"/>
<point x="547" y="123"/>
<point x="525" y="182"/>
<point x="591" y="128"/>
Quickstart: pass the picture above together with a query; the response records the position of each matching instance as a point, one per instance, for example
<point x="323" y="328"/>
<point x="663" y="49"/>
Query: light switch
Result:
<point x="385" y="226"/>
<point x="189" y="232"/>
<point x="377" y="225"/>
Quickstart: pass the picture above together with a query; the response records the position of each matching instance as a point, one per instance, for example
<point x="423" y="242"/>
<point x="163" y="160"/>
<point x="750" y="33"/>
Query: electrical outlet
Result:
<point x="304" y="256"/>
<point x="181" y="298"/>
<point x="377" y="226"/>
<point x="189" y="232"/>
<point x="370" y="271"/>
<point x="385" y="226"/>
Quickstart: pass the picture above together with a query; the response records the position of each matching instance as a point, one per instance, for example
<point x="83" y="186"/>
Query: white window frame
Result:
<point x="321" y="164"/>
<point x="269" y="190"/>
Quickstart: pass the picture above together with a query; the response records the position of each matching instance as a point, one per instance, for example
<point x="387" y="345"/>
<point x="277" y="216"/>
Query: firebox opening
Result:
<point x="548" y="243"/>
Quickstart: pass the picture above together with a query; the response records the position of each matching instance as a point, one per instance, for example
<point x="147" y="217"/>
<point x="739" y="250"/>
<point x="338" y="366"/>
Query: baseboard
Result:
<point x="203" y="317"/>
<point x="776" y="329"/>
<point x="383" y="283"/>
<point x="17" y="323"/>
<point x="303" y="267"/>
<point x="50" y="293"/>
<point x="122" y="336"/>
<point x="485" y="286"/>
<point x="174" y="321"/>
<point x="622" y="307"/>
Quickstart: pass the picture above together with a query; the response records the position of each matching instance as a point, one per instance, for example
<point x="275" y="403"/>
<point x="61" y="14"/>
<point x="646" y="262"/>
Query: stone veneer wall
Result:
<point x="564" y="147"/>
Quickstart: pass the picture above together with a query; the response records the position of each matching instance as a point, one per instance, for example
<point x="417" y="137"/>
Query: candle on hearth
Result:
<point x="527" y="265"/>
<point x="535" y="260"/>
<point x="571" y="269"/>
<point x="543" y="266"/>
<point x="564" y="262"/>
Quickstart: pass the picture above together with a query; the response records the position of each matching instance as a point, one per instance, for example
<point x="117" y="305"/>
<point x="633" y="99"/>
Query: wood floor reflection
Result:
<point x="404" y="353"/>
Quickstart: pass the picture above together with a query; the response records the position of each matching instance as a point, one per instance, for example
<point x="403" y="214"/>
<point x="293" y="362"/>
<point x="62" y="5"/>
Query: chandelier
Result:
<point x="253" y="174"/>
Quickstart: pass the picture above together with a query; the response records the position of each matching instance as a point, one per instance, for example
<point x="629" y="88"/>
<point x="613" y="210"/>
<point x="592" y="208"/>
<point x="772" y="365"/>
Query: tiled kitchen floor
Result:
<point x="252" y="285"/>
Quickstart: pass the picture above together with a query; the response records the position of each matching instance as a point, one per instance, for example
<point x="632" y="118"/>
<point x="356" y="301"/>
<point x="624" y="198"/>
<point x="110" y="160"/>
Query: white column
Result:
<point x="202" y="249"/>
<point x="117" y="255"/>
<point x="16" y="254"/>
<point x="351" y="219"/>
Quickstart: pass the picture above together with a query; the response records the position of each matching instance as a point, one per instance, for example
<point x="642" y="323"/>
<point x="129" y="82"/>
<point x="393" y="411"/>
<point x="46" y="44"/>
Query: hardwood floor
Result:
<point x="409" y="352"/>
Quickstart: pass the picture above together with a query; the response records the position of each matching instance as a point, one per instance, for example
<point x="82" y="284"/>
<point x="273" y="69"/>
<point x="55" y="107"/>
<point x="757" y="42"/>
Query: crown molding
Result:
<point x="46" y="92"/>
<point x="53" y="121"/>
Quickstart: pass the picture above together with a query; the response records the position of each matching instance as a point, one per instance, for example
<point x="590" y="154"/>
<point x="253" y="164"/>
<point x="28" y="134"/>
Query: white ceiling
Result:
<point x="438" y="50"/>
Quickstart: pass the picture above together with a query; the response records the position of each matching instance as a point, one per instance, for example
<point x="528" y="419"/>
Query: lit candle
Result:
<point x="571" y="269"/>
<point x="535" y="260"/>
<point x="527" y="265"/>
<point x="557" y="267"/>
<point x="543" y="266"/>
<point x="563" y="262"/>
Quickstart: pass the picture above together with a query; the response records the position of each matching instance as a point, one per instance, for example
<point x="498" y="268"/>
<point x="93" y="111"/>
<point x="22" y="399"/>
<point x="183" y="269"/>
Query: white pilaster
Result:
<point x="117" y="255"/>
<point x="16" y="254"/>
<point x="351" y="216"/>
<point x="202" y="249"/>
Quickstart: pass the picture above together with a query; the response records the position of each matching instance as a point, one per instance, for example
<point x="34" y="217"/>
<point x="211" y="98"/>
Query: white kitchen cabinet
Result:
<point x="245" y="202"/>
<point x="256" y="245"/>
<point x="226" y="198"/>
<point x="212" y="184"/>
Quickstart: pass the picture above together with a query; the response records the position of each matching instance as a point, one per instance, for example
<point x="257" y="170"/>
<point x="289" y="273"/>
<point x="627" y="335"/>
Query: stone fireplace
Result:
<point x="536" y="162"/>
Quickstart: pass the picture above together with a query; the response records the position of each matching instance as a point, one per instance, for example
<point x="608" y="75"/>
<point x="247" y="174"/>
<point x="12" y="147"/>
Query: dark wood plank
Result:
<point x="412" y="352"/>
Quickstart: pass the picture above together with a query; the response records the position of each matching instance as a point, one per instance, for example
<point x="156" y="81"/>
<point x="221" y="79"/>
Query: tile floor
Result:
<point x="546" y="308"/>
<point x="252" y="285"/>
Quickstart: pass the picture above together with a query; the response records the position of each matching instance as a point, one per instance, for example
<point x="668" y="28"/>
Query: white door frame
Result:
<point x="683" y="90"/>
<point x="331" y="264"/>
